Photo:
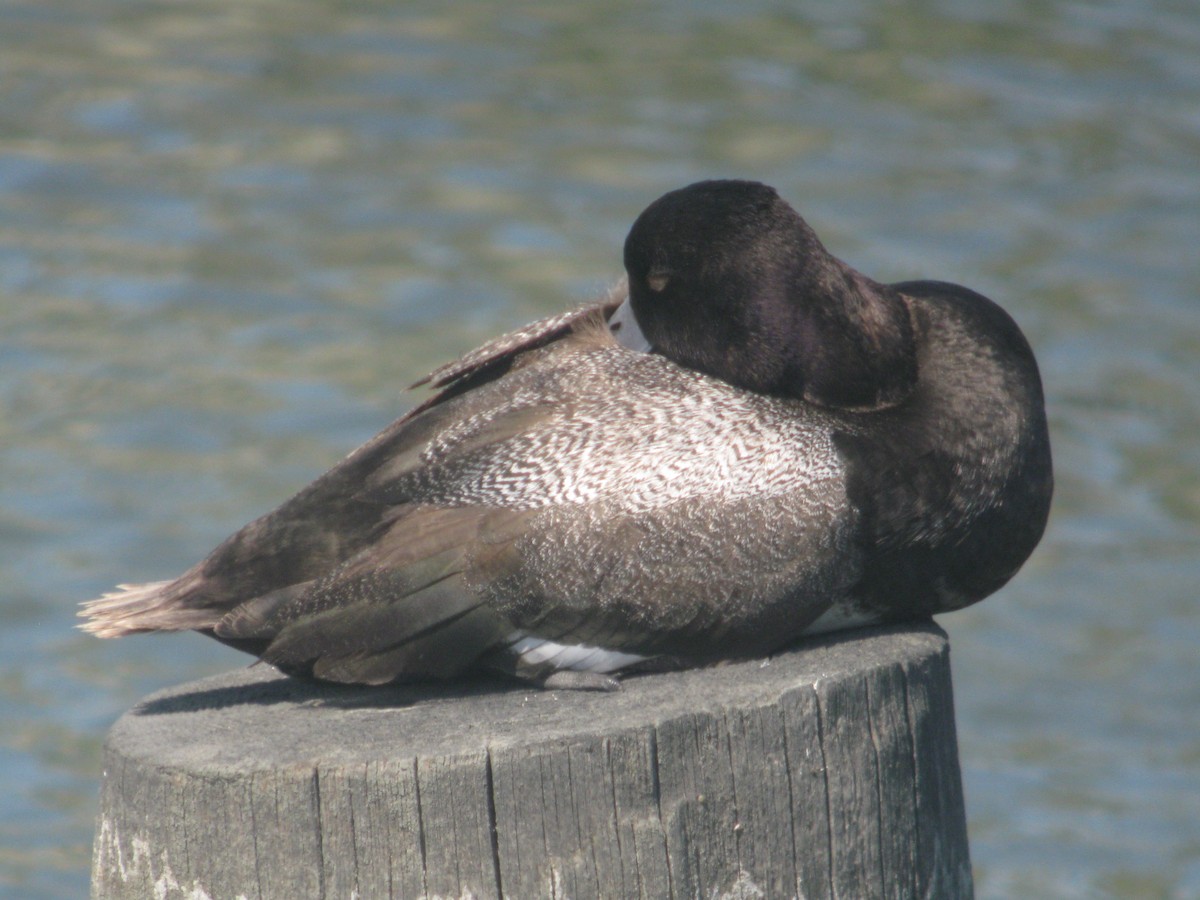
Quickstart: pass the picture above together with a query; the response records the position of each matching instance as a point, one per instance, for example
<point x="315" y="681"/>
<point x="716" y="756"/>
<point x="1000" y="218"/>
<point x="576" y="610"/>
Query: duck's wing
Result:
<point x="495" y="357"/>
<point x="401" y="607"/>
<point x="281" y="557"/>
<point x="282" y="553"/>
<point x="545" y="521"/>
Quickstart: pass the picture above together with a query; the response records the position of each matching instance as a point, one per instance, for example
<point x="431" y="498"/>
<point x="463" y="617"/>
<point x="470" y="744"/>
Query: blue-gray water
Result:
<point x="232" y="232"/>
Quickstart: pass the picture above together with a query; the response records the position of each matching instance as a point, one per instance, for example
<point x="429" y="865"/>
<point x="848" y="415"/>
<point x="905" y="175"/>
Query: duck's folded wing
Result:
<point x="332" y="519"/>
<point x="400" y="608"/>
<point x="536" y="334"/>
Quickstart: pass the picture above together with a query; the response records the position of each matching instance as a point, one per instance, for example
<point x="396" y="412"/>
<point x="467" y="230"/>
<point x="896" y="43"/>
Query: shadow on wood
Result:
<point x="830" y="771"/>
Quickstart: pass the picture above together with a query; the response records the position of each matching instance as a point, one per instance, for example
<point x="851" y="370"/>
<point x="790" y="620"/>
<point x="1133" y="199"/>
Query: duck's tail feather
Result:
<point x="136" y="608"/>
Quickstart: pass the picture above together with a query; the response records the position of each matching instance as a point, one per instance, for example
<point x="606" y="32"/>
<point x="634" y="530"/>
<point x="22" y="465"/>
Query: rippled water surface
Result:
<point x="231" y="233"/>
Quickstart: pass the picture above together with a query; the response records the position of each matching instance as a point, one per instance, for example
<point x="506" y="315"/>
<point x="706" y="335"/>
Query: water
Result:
<point x="231" y="233"/>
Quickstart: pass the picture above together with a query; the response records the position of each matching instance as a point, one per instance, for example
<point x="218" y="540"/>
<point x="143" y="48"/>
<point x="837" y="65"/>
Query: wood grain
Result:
<point x="830" y="771"/>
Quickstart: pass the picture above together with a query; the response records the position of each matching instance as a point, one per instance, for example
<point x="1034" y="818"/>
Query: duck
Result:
<point x="746" y="442"/>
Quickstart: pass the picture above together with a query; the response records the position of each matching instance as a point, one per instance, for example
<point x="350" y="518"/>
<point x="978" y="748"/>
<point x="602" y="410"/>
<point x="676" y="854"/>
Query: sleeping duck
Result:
<point x="746" y="442"/>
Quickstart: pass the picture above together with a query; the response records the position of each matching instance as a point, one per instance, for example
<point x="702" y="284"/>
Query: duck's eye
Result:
<point x="658" y="281"/>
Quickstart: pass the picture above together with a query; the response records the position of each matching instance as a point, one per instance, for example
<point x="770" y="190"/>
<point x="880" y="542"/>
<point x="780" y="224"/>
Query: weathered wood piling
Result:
<point x="828" y="772"/>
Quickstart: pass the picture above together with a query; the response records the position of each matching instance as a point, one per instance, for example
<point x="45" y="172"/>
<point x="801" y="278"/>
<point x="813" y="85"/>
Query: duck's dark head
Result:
<point x="727" y="279"/>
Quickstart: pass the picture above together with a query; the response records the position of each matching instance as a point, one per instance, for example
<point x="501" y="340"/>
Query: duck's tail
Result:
<point x="134" y="608"/>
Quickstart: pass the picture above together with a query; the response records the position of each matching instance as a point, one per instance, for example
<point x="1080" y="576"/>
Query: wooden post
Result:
<point x="828" y="772"/>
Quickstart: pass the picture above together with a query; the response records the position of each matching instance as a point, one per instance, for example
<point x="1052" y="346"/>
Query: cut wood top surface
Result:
<point x="255" y="718"/>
